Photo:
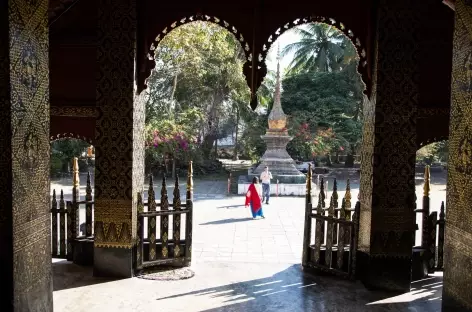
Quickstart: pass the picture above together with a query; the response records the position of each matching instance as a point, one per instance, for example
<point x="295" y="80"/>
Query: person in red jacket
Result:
<point x="253" y="199"/>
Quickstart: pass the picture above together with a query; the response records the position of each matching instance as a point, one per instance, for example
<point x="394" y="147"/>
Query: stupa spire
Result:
<point x="277" y="117"/>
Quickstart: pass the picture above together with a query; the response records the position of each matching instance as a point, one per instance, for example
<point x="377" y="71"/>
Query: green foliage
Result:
<point x="251" y="144"/>
<point x="195" y="94"/>
<point x="324" y="113"/>
<point x="56" y="165"/>
<point x="434" y="152"/>
<point x="320" y="49"/>
<point x="62" y="153"/>
<point x="322" y="92"/>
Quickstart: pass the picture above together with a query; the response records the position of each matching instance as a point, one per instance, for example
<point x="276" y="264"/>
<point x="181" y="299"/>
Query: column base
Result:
<point x="450" y="303"/>
<point x="113" y="262"/>
<point x="389" y="273"/>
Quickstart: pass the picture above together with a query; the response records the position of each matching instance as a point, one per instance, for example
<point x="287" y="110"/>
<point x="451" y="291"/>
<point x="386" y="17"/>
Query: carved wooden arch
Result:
<point x="69" y="135"/>
<point x="204" y="18"/>
<point x="362" y="67"/>
<point x="58" y="7"/>
<point x="433" y="140"/>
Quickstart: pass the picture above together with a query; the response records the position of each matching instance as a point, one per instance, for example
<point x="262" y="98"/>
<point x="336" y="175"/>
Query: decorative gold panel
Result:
<point x="458" y="235"/>
<point x="24" y="156"/>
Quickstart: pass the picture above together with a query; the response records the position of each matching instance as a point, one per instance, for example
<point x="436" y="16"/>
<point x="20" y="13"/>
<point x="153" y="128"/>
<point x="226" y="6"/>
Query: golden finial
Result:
<point x="190" y="177"/>
<point x="75" y="172"/>
<point x="347" y="196"/>
<point x="176" y="199"/>
<point x="342" y="214"/>
<point x="151" y="195"/>
<point x="140" y="204"/>
<point x="331" y="207"/>
<point x="322" y="195"/>
<point x="88" y="189"/>
<point x="426" y="187"/>
<point x="308" y="181"/>
<point x="335" y="193"/>
<point x="164" y="196"/>
<point x="54" y="200"/>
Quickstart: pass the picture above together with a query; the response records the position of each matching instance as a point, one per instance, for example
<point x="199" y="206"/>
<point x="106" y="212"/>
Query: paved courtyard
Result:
<point x="240" y="264"/>
<point x="225" y="230"/>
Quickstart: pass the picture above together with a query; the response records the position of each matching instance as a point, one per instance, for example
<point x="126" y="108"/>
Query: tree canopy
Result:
<point x="322" y="92"/>
<point x="197" y="92"/>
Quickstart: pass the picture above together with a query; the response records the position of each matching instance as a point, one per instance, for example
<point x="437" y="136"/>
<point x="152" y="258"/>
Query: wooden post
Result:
<point x="176" y="218"/>
<point x="54" y="223"/>
<point x="431" y="240"/>
<point x="348" y="205"/>
<point x="74" y="209"/>
<point x="164" y="221"/>
<point x="69" y="238"/>
<point x="441" y="224"/>
<point x="354" y="241"/>
<point x="140" y="238"/>
<point x="75" y="180"/>
<point x="329" y="234"/>
<point x="62" y="227"/>
<point x="342" y="216"/>
<point x="319" y="229"/>
<point x="151" y="221"/>
<point x="308" y="220"/>
<point x="426" y="201"/>
<point x="334" y="195"/>
<point x="188" y="220"/>
<point x="88" y="208"/>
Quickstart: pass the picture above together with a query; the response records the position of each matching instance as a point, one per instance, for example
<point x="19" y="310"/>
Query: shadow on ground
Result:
<point x="226" y="221"/>
<point x="294" y="290"/>
<point x="68" y="275"/>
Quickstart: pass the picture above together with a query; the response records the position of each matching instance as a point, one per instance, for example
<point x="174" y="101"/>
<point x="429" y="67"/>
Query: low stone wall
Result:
<point x="281" y="189"/>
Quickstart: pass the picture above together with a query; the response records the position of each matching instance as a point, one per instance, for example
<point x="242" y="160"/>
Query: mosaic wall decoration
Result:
<point x="24" y="163"/>
<point x="367" y="157"/>
<point x="74" y="111"/>
<point x="387" y="188"/>
<point x="115" y="220"/>
<point x="138" y="154"/>
<point x="458" y="236"/>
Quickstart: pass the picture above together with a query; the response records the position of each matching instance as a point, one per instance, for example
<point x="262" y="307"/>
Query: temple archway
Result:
<point x="203" y="18"/>
<point x="362" y="66"/>
<point x="300" y="41"/>
<point x="70" y="135"/>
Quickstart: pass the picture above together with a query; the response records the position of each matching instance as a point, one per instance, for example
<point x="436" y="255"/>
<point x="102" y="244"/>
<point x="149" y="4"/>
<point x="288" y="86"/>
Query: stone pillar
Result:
<point x="25" y="222"/>
<point x="119" y="146"/>
<point x="387" y="189"/>
<point x="458" y="233"/>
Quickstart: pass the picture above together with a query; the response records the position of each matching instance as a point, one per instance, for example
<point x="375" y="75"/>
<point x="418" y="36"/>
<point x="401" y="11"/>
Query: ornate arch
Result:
<point x="204" y="18"/>
<point x="69" y="135"/>
<point x="362" y="67"/>
<point x="433" y="140"/>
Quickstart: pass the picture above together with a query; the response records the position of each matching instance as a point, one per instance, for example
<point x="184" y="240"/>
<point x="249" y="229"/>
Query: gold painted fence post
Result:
<point x="188" y="220"/>
<point x="308" y="211"/>
<point x="426" y="201"/>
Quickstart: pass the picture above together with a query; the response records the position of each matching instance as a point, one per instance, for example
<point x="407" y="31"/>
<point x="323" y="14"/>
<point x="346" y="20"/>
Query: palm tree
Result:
<point x="321" y="49"/>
